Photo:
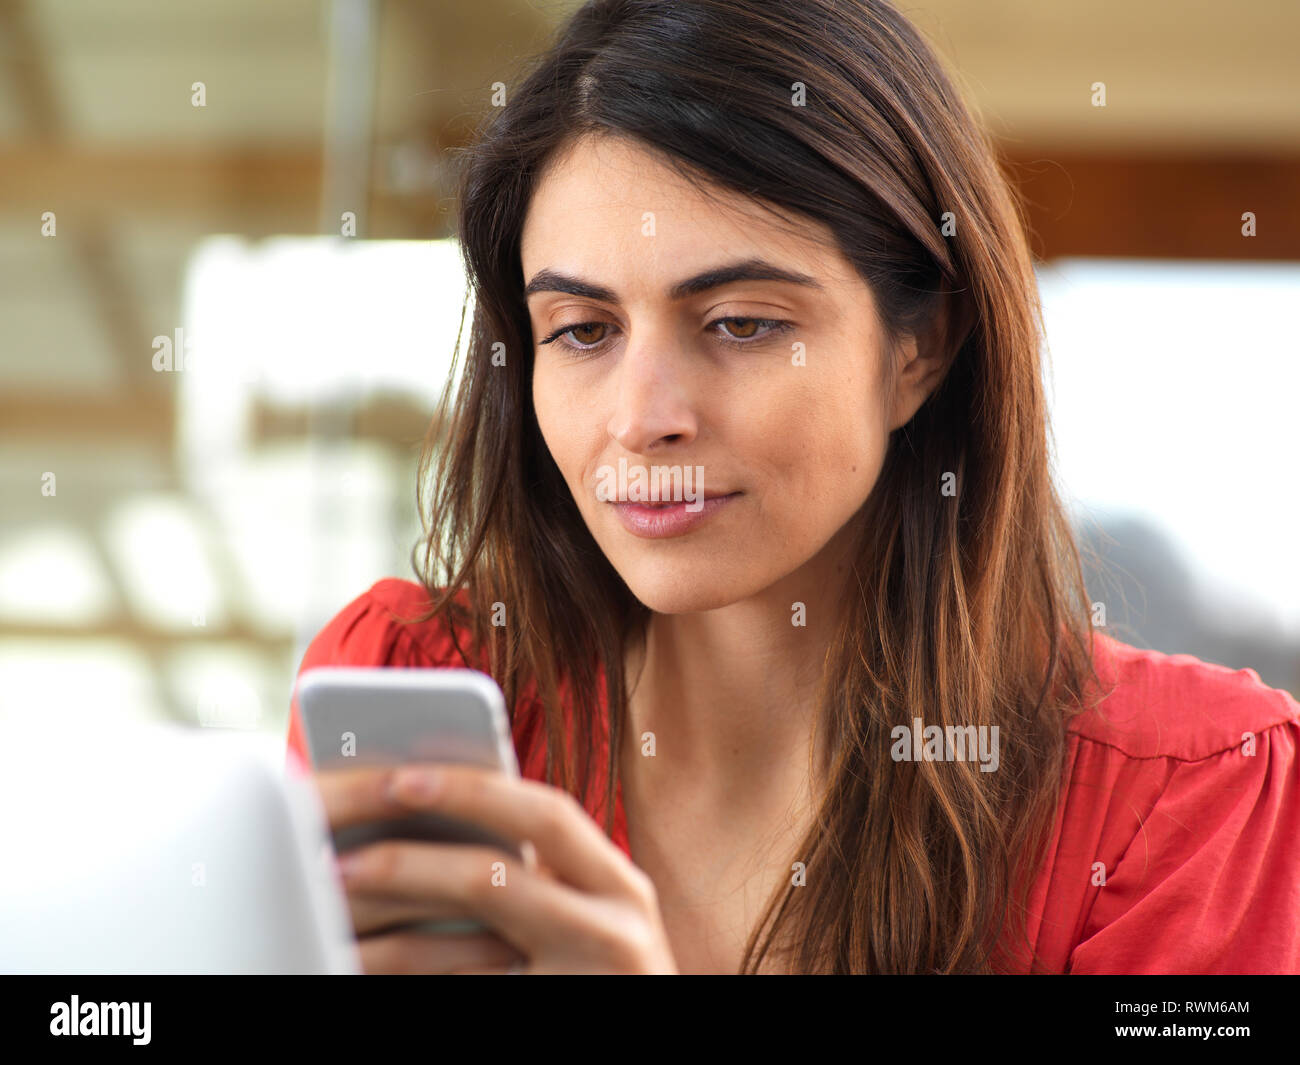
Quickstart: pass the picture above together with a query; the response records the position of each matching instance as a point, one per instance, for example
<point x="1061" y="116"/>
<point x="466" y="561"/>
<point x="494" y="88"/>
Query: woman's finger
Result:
<point x="372" y="912"/>
<point x="567" y="841"/>
<point x="531" y="910"/>
<point x="356" y="795"/>
<point x="410" y="953"/>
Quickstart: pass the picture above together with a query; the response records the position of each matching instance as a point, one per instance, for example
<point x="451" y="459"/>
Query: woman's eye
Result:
<point x="736" y="331"/>
<point x="749" y="330"/>
<point x="747" y="323"/>
<point x="578" y="332"/>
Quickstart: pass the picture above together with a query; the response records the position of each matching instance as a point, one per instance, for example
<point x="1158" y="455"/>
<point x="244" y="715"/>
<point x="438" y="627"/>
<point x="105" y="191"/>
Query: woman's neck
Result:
<point x="727" y="699"/>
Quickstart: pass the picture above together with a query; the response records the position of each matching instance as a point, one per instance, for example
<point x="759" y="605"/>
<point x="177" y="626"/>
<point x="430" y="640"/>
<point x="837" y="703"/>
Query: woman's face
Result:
<point x="789" y="420"/>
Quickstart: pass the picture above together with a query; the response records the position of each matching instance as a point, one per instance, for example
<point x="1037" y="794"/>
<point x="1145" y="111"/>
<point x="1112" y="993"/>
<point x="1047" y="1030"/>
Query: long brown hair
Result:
<point x="968" y="608"/>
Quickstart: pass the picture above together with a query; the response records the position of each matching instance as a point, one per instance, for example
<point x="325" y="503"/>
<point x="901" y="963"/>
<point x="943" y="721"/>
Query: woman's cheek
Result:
<point x="559" y="431"/>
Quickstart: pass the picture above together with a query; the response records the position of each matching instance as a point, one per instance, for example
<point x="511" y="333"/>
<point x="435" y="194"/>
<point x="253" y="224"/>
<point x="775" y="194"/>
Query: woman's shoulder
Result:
<point x="382" y="627"/>
<point x="1175" y="849"/>
<point x="1177" y="706"/>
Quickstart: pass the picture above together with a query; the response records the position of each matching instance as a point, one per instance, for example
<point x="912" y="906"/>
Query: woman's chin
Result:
<point x="687" y="593"/>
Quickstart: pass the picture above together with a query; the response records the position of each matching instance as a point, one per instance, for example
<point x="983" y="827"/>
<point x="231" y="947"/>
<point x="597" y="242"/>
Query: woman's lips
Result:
<point x="656" y="521"/>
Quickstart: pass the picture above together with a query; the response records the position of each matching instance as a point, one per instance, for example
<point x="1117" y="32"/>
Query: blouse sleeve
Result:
<point x="1211" y="880"/>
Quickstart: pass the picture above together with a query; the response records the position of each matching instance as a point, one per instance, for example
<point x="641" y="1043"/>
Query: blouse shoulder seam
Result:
<point x="1229" y="745"/>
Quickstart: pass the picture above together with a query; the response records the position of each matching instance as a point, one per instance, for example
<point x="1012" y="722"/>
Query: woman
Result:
<point x="757" y="257"/>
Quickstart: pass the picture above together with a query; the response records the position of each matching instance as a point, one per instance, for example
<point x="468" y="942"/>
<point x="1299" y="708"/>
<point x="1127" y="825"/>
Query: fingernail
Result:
<point x="415" y="784"/>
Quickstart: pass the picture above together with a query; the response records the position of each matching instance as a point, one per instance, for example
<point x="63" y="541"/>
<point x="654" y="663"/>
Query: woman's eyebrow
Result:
<point x="744" y="270"/>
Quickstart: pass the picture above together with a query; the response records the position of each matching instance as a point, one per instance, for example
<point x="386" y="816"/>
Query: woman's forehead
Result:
<point x="622" y="204"/>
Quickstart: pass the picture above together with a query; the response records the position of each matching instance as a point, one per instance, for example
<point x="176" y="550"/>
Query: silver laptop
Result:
<point x="163" y="849"/>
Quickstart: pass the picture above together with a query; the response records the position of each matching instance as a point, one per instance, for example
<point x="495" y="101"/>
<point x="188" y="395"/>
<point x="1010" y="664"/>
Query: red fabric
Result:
<point x="1200" y="842"/>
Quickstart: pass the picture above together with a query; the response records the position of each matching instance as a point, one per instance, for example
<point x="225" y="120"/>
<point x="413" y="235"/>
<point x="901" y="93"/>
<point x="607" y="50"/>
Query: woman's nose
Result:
<point x="653" y="397"/>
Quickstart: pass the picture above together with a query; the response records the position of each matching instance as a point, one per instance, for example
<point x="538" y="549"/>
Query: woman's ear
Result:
<point x="923" y="359"/>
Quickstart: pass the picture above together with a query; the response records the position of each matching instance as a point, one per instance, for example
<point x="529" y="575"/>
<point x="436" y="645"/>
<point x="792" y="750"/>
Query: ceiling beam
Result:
<point x="214" y="189"/>
<point x="147" y="417"/>
<point x="1165" y="206"/>
<point x="148" y="638"/>
<point x="1159" y="206"/>
<point x="396" y="420"/>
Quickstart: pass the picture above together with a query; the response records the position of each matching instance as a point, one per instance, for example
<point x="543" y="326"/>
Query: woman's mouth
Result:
<point x="656" y="521"/>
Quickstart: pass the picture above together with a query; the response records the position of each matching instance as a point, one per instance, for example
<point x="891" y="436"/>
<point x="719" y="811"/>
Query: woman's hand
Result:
<point x="579" y="906"/>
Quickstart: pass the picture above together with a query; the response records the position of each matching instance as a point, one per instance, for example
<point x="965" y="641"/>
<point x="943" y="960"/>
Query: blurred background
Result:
<point x="229" y="298"/>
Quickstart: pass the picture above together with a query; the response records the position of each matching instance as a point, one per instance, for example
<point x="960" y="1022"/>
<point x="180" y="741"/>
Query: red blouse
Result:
<point x="1198" y="840"/>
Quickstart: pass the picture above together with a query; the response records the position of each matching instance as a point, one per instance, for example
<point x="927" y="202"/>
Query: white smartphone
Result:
<point x="384" y="716"/>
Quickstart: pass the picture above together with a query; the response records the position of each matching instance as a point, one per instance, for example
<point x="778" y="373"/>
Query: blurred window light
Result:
<point x="299" y="526"/>
<point x="1173" y="389"/>
<point x="52" y="574"/>
<point x="302" y="333"/>
<point x="225" y="686"/>
<point x="161" y="555"/>
<point x="75" y="682"/>
<point x="312" y="318"/>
